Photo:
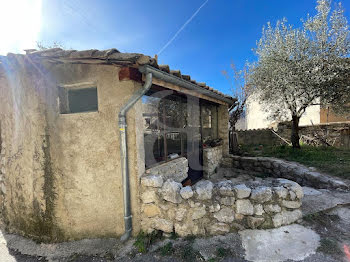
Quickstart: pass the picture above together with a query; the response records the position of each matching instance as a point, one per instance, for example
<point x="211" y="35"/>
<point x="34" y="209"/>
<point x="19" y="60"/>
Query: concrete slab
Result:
<point x="309" y="191"/>
<point x="315" y="202"/>
<point x="293" y="242"/>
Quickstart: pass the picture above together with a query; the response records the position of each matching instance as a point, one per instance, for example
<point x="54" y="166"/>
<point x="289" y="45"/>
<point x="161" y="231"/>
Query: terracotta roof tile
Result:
<point x="111" y="56"/>
<point x="164" y="68"/>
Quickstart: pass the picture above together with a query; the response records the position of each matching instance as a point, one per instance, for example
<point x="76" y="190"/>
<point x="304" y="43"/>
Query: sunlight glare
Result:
<point x="20" y="25"/>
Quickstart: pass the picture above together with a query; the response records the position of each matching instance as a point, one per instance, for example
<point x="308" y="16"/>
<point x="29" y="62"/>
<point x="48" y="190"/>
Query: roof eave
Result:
<point x="159" y="74"/>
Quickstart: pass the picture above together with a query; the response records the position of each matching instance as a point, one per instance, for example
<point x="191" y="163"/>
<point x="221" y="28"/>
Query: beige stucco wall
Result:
<point x="86" y="148"/>
<point x="82" y="161"/>
<point x="24" y="98"/>
<point x="257" y="115"/>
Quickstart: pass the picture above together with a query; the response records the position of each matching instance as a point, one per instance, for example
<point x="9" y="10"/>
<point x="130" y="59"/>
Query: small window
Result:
<point x="77" y="100"/>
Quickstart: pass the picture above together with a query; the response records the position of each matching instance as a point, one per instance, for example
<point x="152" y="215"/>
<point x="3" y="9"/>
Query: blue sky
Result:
<point x="223" y="31"/>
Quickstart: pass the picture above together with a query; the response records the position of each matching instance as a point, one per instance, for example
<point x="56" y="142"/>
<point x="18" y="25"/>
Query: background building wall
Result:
<point x="258" y="117"/>
<point x="329" y="116"/>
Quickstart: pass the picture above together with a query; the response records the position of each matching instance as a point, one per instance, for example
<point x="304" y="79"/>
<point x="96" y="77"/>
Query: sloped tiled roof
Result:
<point x="112" y="56"/>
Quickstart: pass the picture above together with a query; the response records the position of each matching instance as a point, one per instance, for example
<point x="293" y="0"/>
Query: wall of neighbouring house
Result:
<point x="257" y="115"/>
<point x="329" y="116"/>
<point x="62" y="172"/>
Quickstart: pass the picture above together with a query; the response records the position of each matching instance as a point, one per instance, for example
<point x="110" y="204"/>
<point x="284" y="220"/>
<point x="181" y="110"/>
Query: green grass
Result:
<point x="144" y="241"/>
<point x="330" y="160"/>
<point x="167" y="249"/>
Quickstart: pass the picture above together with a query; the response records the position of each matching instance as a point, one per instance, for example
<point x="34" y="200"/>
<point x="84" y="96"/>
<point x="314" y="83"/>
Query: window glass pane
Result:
<point x="153" y="131"/>
<point x="82" y="100"/>
<point x="164" y="118"/>
<point x="154" y="148"/>
<point x="209" y="117"/>
<point x="175" y="144"/>
<point x="174" y="110"/>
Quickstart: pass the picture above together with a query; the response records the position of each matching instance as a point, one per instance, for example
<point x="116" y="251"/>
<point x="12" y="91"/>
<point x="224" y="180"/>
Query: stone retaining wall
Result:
<point x="211" y="160"/>
<point x="336" y="133"/>
<point x="175" y="169"/>
<point x="281" y="168"/>
<point x="216" y="208"/>
<point x="258" y="137"/>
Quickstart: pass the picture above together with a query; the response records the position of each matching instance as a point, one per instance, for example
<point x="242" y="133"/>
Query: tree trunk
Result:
<point x="295" y="132"/>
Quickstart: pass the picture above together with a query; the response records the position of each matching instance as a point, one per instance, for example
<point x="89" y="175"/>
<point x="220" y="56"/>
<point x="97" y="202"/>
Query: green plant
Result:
<point x="333" y="161"/>
<point x="329" y="246"/>
<point x="222" y="252"/>
<point x="167" y="249"/>
<point x="189" y="254"/>
<point x="190" y="238"/>
<point x="173" y="235"/>
<point x="144" y="241"/>
<point x="262" y="175"/>
<point x="109" y="256"/>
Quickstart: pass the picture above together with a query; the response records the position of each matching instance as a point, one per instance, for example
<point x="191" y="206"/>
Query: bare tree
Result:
<point x="240" y="91"/>
<point x="55" y="44"/>
<point x="300" y="67"/>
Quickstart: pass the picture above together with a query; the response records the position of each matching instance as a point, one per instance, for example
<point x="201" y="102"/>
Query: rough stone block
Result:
<point x="242" y="191"/>
<point x="151" y="210"/>
<point x="286" y="217"/>
<point x="214" y="208"/>
<point x="171" y="191"/>
<point x="198" y="212"/>
<point x="152" y="181"/>
<point x="186" y="192"/>
<point x="261" y="194"/>
<point x="281" y="192"/>
<point x="227" y="201"/>
<point x="204" y="189"/>
<point x="244" y="207"/>
<point x="258" y="210"/>
<point x="291" y="204"/>
<point x="149" y="197"/>
<point x="272" y="208"/>
<point x="225" y="215"/>
<point x="255" y="222"/>
<point x="163" y="225"/>
<point x="180" y="214"/>
<point x="182" y="230"/>
<point x="219" y="229"/>
<point x="225" y="188"/>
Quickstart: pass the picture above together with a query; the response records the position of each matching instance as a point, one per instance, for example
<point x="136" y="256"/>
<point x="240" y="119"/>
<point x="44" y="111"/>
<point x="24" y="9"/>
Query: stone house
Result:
<point x="70" y="166"/>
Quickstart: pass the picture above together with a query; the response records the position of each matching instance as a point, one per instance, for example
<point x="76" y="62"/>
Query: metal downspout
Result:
<point x="124" y="154"/>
